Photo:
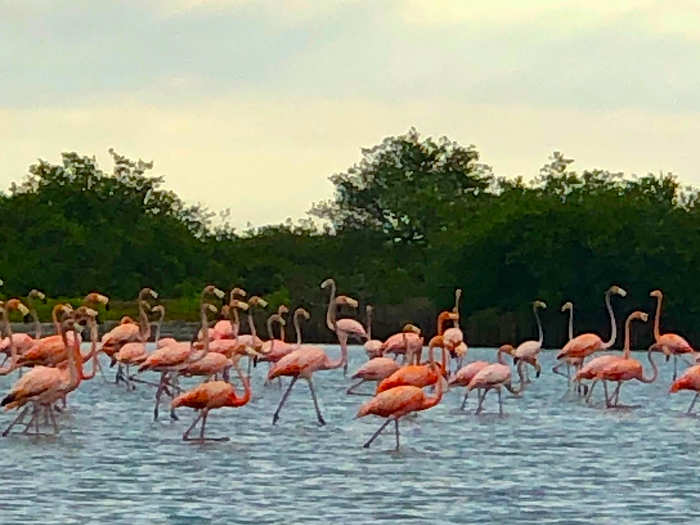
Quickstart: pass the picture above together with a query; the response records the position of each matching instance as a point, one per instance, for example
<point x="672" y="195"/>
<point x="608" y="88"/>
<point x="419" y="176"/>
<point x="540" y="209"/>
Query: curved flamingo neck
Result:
<point x="613" y="325"/>
<point x="93" y="350"/>
<point x="235" y="321"/>
<point x="205" y="328"/>
<point x="13" y="348"/>
<point x="655" y="370"/>
<point x="626" y="347"/>
<point x="144" y="325"/>
<point x="431" y="401"/>
<point x="343" y="340"/>
<point x="240" y="401"/>
<point x="75" y="370"/>
<point x="251" y="325"/>
<point x="442" y="318"/>
<point x="499" y="357"/>
<point x="37" y="324"/>
<point x="54" y="318"/>
<point x="657" y="317"/>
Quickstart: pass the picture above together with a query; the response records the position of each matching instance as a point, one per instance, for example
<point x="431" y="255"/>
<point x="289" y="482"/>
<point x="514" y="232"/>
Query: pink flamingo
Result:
<point x="576" y="362"/>
<point x="627" y="368"/>
<point x="373" y="347"/>
<point x="50" y="350"/>
<point x="529" y="351"/>
<point x="398" y="402"/>
<point x="670" y="343"/>
<point x="689" y="380"/>
<point x="494" y="377"/>
<point x="5" y="309"/>
<point x="584" y="345"/>
<point x="303" y="362"/>
<point x="464" y="375"/>
<point x="210" y="396"/>
<point x="453" y="337"/>
<point x="343" y="328"/>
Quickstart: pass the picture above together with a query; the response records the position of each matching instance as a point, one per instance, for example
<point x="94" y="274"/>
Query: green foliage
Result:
<point x="414" y="219"/>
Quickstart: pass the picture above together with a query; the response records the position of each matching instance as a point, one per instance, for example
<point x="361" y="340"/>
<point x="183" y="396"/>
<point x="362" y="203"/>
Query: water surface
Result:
<point x="550" y="459"/>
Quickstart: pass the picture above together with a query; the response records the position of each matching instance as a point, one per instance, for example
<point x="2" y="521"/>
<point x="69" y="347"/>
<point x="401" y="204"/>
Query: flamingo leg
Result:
<point x="15" y="421"/>
<point x="159" y="392"/>
<point x="607" y="400"/>
<point x="186" y="435"/>
<point x="590" y="390"/>
<point x="690" y="408"/>
<point x="555" y="369"/>
<point x="675" y="366"/>
<point x="374" y="436"/>
<point x="313" y="395"/>
<point x="351" y="389"/>
<point x="538" y="368"/>
<point x="49" y="410"/>
<point x="481" y="401"/>
<point x="464" y="401"/>
<point x="500" y="401"/>
<point x="276" y="415"/>
<point x="396" y="424"/>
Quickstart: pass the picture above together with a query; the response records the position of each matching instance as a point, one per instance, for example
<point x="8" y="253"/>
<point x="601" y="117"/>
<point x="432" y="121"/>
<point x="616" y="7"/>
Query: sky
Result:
<point x="252" y="105"/>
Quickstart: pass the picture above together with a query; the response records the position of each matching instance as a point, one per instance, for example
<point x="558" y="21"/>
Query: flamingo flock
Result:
<point x="51" y="367"/>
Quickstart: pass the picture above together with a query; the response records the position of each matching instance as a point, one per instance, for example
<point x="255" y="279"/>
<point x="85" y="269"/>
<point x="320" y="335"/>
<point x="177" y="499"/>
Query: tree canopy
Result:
<point x="413" y="219"/>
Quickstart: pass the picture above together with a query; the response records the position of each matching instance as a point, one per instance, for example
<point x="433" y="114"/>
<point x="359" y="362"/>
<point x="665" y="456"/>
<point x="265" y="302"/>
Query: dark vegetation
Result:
<point x="414" y="219"/>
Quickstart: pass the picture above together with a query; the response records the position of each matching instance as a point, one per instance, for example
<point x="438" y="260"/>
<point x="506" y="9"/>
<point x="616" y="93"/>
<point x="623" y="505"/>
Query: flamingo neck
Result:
<point x="75" y="370"/>
<point x="571" y="323"/>
<point x="54" y="318"/>
<point x="205" y="329"/>
<point x="297" y="328"/>
<point x="37" y="324"/>
<point x="343" y="340"/>
<point x="369" y="323"/>
<point x="144" y="325"/>
<point x="657" y="317"/>
<point x="332" y="307"/>
<point x="93" y="350"/>
<point x="431" y="401"/>
<point x="613" y="325"/>
<point x="235" y="321"/>
<point x="539" y="325"/>
<point x="626" y="347"/>
<point x="655" y="370"/>
<point x="13" y="348"/>
<point x="442" y="318"/>
<point x="240" y="401"/>
<point x="251" y="325"/>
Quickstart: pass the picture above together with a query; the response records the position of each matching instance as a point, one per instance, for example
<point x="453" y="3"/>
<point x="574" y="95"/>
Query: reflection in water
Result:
<point x="550" y="459"/>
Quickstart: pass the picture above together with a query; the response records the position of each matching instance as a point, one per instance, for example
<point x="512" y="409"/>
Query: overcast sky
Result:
<point x="251" y="105"/>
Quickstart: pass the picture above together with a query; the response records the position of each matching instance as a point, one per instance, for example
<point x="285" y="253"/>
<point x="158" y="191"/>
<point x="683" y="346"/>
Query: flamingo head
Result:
<point x="642" y="316"/>
<point x="567" y="306"/>
<point x="36" y="294"/>
<point x="282" y="310"/>
<point x="507" y="349"/>
<point x="411" y="328"/>
<point x="300" y="311"/>
<point x="16" y="304"/>
<point x="241" y="305"/>
<point x="212" y="290"/>
<point x="238" y="292"/>
<point x="614" y="289"/>
<point x="656" y="293"/>
<point x="160" y="309"/>
<point x="539" y="304"/>
<point x="257" y="301"/>
<point x="148" y="291"/>
<point x="328" y="282"/>
<point x="345" y="300"/>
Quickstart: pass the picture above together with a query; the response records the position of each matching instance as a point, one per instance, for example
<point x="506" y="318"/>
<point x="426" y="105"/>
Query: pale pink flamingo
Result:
<point x="395" y="403"/>
<point x="50" y="350"/>
<point x="584" y="345"/>
<point x="576" y="362"/>
<point x="670" y="343"/>
<point x="529" y="351"/>
<point x="373" y="347"/>
<point x="453" y="337"/>
<point x="343" y="328"/>
<point x="303" y="362"/>
<point x="210" y="396"/>
<point x="5" y="309"/>
<point x="464" y="375"/>
<point x="42" y="385"/>
<point x="495" y="376"/>
<point x="627" y="368"/>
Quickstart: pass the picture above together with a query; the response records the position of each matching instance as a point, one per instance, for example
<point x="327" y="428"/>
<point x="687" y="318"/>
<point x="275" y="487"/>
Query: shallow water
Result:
<point x="550" y="459"/>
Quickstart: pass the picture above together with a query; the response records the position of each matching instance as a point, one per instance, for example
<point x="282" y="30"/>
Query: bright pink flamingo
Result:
<point x="396" y="403"/>
<point x="373" y="347"/>
<point x="689" y="380"/>
<point x="627" y="368"/>
<point x="210" y="396"/>
<point x="343" y="328"/>
<point x="494" y="377"/>
<point x="420" y="375"/>
<point x="529" y="351"/>
<point x="670" y="343"/>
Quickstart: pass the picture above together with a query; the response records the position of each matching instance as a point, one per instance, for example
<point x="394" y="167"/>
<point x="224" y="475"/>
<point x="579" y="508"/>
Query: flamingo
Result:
<point x="395" y="403"/>
<point x="303" y="362"/>
<point x="252" y="340"/>
<point x="584" y="345"/>
<point x="627" y="368"/>
<point x="576" y="362"/>
<point x="373" y="347"/>
<point x="408" y="344"/>
<point x="419" y="375"/>
<point x="671" y="343"/>
<point x="689" y="380"/>
<point x="464" y="375"/>
<point x="42" y="385"/>
<point x="495" y="376"/>
<point x="439" y="340"/>
<point x="529" y="351"/>
<point x="453" y="337"/>
<point x="343" y="328"/>
<point x="5" y="309"/>
<point x="276" y="349"/>
<point x="210" y="396"/>
<point x="174" y="357"/>
<point x="50" y="350"/>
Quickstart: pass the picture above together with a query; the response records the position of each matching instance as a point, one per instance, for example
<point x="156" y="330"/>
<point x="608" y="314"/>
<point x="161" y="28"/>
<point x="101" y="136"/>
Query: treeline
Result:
<point x="414" y="219"/>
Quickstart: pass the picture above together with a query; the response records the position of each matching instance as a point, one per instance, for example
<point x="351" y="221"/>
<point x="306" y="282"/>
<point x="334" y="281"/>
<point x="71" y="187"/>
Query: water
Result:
<point x="550" y="459"/>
